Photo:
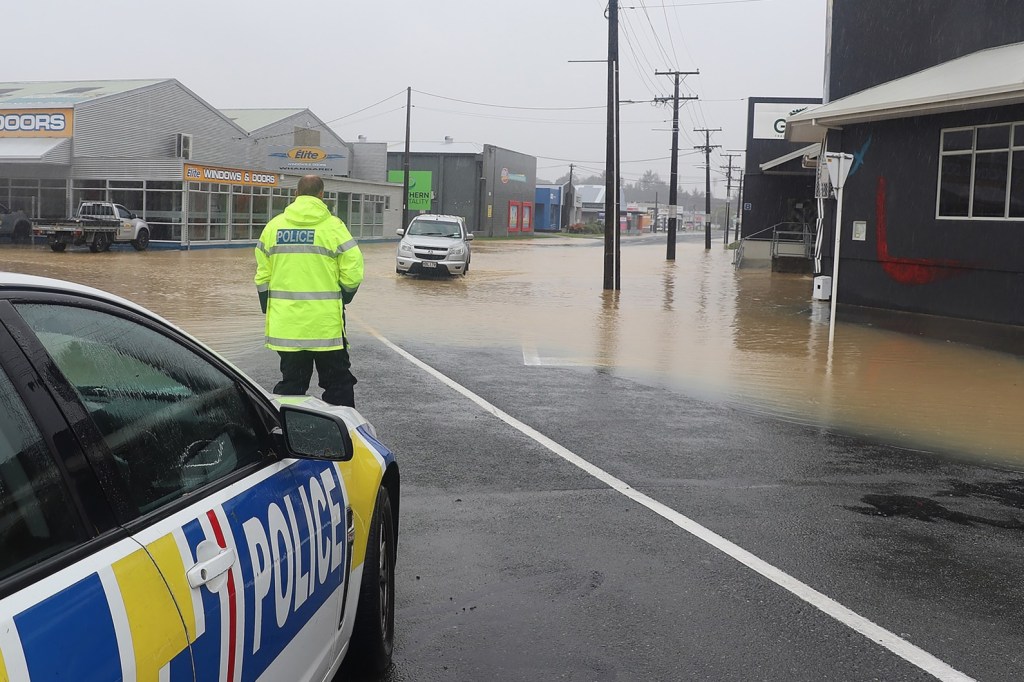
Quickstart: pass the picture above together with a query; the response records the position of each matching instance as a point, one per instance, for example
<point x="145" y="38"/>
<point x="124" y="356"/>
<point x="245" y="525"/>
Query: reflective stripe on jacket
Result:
<point x="305" y="259"/>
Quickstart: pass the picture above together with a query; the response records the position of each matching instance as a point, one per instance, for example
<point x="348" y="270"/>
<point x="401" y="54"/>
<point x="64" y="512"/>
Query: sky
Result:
<point x="511" y="73"/>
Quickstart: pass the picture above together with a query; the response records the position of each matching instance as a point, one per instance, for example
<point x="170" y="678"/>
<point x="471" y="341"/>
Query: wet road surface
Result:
<point x="695" y="326"/>
<point x="702" y="388"/>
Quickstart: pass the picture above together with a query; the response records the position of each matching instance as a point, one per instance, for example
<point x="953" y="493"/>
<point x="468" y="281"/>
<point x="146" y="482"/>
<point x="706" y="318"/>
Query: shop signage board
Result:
<point x="770" y="119"/>
<point x="308" y="160"/>
<point x="230" y="176"/>
<point x="420" y="188"/>
<point x="36" y="122"/>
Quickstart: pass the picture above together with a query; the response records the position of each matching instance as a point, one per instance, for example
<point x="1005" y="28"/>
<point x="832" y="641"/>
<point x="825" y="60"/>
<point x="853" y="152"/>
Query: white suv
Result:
<point x="434" y="244"/>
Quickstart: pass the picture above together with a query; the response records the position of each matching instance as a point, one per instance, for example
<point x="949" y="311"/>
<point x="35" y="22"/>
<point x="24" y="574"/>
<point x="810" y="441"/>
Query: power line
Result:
<point x="505" y="106"/>
<point x="694" y="4"/>
<point x="333" y="120"/>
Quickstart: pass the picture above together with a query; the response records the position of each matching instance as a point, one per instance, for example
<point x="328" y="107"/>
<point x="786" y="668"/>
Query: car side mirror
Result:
<point x="309" y="434"/>
<point x="400" y="232"/>
<point x="469" y="236"/>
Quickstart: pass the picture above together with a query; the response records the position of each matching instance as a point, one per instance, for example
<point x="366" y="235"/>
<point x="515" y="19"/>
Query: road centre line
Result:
<point x="897" y="645"/>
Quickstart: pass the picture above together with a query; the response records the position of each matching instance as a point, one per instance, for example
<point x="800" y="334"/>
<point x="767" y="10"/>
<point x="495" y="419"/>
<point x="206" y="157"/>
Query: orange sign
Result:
<point x="36" y="122"/>
<point x="230" y="176"/>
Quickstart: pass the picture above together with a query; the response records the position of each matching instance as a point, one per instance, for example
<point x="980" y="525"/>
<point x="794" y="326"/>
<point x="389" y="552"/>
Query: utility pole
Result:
<point x="728" y="190"/>
<point x="654" y="225"/>
<point x="570" y="198"/>
<point x="611" y="198"/>
<point x="739" y="192"/>
<point x="405" y="159"/>
<point x="739" y="198"/>
<point x="707" y="180"/>
<point x="670" y="249"/>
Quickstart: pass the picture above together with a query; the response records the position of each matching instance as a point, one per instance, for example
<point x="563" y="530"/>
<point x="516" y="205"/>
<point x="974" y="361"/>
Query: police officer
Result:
<point x="308" y="267"/>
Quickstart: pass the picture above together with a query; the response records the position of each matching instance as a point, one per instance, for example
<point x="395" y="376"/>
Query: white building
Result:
<point x="199" y="176"/>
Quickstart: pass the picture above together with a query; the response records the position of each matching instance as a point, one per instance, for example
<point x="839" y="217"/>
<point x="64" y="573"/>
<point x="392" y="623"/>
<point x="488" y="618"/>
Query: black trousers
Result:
<point x="333" y="368"/>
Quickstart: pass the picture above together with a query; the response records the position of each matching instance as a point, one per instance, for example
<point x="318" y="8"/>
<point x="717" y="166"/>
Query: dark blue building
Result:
<point x="548" y="208"/>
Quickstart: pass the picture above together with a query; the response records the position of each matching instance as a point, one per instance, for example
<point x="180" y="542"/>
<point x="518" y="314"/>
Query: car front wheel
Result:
<point x="373" y="639"/>
<point x="141" y="240"/>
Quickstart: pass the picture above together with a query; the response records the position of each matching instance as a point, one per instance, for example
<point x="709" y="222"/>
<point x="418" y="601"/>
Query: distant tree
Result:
<point x="649" y="180"/>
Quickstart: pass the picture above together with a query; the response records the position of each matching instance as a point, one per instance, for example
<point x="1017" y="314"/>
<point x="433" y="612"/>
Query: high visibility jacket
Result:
<point x="308" y="265"/>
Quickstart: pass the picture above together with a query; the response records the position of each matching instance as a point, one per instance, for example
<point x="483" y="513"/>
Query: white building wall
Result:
<point x="141" y="125"/>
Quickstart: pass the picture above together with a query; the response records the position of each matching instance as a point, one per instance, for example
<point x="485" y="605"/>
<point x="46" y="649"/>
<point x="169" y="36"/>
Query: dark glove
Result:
<point x="264" y="297"/>
<point x="347" y="296"/>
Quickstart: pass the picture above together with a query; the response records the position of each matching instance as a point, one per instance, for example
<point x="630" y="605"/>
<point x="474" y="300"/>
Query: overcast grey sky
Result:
<point x="338" y="57"/>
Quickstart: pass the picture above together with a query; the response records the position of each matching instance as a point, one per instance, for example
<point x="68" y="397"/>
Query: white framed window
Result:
<point x="981" y="173"/>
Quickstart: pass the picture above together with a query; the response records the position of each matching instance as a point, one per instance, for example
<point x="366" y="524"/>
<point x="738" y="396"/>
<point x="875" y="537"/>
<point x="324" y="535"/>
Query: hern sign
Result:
<point x="420" y="188"/>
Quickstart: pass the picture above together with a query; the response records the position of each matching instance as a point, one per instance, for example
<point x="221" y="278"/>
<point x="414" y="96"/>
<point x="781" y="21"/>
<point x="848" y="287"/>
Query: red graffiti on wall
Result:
<point x="913" y="271"/>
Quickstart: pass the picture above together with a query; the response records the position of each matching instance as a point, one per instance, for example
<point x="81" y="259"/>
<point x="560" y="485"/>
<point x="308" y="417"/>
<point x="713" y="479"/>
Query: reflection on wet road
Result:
<point x="697" y="326"/>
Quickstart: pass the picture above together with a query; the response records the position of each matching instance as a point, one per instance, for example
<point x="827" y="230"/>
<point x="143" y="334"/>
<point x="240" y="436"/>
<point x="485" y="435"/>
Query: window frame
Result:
<point x="972" y="153"/>
<point x="98" y="454"/>
<point x="94" y="517"/>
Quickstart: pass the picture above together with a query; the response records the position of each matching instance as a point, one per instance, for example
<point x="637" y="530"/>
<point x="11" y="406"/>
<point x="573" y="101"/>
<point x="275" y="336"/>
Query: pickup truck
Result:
<point x="14" y="225"/>
<point x="98" y="224"/>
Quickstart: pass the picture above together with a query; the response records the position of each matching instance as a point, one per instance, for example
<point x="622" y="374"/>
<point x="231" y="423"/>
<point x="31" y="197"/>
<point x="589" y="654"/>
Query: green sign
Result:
<point x="419" y="188"/>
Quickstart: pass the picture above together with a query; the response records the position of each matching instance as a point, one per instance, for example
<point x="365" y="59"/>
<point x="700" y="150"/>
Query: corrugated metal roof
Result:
<point x="591" y="194"/>
<point x="254" y="119"/>
<point x="437" y="147"/>
<point x="65" y="93"/>
<point x="992" y="77"/>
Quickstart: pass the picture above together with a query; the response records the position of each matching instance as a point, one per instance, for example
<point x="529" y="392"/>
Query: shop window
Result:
<point x="130" y="199"/>
<point x="981" y="172"/>
<point x="260" y="213"/>
<point x="198" y="215"/>
<point x="241" y="213"/>
<point x="218" y="215"/>
<point x="53" y="202"/>
<point x="343" y="212"/>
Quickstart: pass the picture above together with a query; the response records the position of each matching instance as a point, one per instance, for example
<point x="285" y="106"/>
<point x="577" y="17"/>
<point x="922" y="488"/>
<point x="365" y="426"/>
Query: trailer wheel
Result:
<point x="100" y="242"/>
<point x="58" y="246"/>
<point x="141" y="241"/>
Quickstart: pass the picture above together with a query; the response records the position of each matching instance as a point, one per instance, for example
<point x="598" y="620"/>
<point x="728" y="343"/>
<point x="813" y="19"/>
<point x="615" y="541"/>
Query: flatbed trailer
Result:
<point x="98" y="234"/>
<point x="98" y="225"/>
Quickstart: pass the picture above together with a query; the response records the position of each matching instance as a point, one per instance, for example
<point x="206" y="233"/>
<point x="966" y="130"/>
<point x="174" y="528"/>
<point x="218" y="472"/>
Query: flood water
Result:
<point x="696" y="326"/>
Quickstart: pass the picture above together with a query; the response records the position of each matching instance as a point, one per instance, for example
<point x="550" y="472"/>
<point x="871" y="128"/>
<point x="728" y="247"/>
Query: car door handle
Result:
<point x="212" y="565"/>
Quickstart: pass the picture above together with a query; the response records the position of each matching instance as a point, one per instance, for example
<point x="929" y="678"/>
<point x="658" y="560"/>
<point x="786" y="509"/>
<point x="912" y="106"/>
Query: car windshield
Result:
<point x="434" y="228"/>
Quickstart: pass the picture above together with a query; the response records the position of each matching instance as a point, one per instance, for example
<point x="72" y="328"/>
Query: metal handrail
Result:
<point x="805" y="232"/>
<point x="805" y="235"/>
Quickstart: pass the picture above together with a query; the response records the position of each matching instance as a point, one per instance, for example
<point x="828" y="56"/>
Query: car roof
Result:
<point x="437" y="216"/>
<point x="15" y="280"/>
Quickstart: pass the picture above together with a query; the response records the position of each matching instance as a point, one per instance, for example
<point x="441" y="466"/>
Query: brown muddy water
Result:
<point x="695" y="325"/>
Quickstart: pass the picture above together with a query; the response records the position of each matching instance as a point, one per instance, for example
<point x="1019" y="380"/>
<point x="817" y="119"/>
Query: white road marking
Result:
<point x="897" y="645"/>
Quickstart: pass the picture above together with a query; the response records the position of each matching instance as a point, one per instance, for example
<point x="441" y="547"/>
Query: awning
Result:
<point x="811" y="151"/>
<point x="35" y="150"/>
<point x="989" y="78"/>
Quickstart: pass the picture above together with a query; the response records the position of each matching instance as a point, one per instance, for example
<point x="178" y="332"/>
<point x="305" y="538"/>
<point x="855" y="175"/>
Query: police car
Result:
<point x="162" y="517"/>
